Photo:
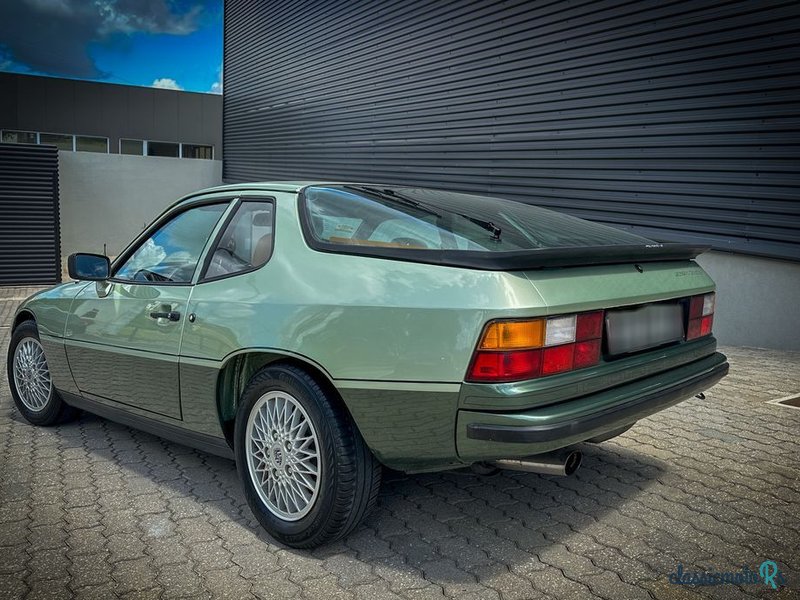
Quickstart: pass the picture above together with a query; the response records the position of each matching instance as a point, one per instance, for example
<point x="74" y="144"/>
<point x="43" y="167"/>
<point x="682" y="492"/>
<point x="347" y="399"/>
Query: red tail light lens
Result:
<point x="590" y="326"/>
<point x="506" y="366"/>
<point x="586" y="354"/>
<point x="518" y="350"/>
<point x="695" y="307"/>
<point x="701" y="316"/>
<point x="705" y="325"/>
<point x="558" y="359"/>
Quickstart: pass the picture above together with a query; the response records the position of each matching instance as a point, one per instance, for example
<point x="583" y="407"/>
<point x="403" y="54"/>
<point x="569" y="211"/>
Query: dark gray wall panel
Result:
<point x="114" y="101"/>
<point x="54" y="105"/>
<point x="60" y="107"/>
<point x="141" y="114"/>
<point x="31" y="114"/>
<point x="29" y="218"/>
<point x="166" y="116"/>
<point x="678" y="119"/>
<point x="190" y="113"/>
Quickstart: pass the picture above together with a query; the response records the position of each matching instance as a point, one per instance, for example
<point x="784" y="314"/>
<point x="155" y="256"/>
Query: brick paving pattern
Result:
<point x="96" y="510"/>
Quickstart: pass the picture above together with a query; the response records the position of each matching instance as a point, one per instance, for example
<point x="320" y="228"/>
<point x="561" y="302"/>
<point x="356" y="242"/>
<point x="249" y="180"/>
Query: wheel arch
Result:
<point x="240" y="368"/>
<point x="22" y="316"/>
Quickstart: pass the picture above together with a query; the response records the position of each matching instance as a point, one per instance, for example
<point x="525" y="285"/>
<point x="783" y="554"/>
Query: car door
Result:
<point x="123" y="336"/>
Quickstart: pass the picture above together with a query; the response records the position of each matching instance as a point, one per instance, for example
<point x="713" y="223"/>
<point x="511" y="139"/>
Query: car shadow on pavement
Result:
<point x="456" y="530"/>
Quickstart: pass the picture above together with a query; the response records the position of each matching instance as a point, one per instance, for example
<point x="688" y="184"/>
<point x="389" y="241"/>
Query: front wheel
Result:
<point x="308" y="476"/>
<point x="30" y="381"/>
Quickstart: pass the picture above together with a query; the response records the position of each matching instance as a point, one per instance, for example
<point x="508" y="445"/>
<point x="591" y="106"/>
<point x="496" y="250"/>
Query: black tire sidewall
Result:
<point x="52" y="412"/>
<point x="305" y="529"/>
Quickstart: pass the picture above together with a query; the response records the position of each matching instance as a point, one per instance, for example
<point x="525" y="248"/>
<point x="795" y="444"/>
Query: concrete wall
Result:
<point x="109" y="198"/>
<point x="757" y="300"/>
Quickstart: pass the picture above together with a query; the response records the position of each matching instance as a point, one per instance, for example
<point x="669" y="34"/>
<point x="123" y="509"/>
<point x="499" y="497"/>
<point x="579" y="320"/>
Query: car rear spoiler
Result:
<point x="596" y="255"/>
<point x="523" y="260"/>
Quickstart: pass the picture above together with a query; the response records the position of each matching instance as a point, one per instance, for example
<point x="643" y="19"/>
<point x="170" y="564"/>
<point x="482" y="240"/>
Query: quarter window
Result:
<point x="171" y="254"/>
<point x="246" y="243"/>
<point x="18" y="137"/>
<point x="59" y="140"/>
<point x="135" y="147"/>
<point x="163" y="149"/>
<point x="197" y="151"/>
<point x="85" y="143"/>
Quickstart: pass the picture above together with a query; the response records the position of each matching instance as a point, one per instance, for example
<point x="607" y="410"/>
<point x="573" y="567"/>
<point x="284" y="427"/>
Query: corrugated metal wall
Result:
<point x="29" y="228"/>
<point x="677" y="119"/>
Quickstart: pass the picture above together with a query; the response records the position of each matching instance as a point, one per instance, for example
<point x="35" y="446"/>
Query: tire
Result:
<point x="348" y="476"/>
<point x="39" y="403"/>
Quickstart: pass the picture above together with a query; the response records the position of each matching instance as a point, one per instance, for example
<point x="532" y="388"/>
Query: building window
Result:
<point x="163" y="149"/>
<point x="59" y="140"/>
<point x="85" y="143"/>
<point x="131" y="147"/>
<point x="197" y="151"/>
<point x="18" y="137"/>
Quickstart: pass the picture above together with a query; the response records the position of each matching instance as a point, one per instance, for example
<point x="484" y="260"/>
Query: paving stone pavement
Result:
<point x="96" y="510"/>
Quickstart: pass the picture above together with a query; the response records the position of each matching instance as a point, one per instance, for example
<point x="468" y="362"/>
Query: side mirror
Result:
<point x="88" y="267"/>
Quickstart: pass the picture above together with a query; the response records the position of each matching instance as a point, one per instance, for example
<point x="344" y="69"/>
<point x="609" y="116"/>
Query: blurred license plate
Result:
<point x="631" y="330"/>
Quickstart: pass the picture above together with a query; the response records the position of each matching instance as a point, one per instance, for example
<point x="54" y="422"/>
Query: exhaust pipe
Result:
<point x="561" y="463"/>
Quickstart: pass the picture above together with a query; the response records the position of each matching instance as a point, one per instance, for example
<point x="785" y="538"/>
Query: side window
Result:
<point x="172" y="252"/>
<point x="246" y="243"/>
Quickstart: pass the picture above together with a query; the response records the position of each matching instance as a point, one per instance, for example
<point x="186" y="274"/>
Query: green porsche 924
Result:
<point x="317" y="332"/>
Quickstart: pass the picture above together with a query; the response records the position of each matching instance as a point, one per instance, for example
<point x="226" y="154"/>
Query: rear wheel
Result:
<point x="30" y="381"/>
<point x="308" y="476"/>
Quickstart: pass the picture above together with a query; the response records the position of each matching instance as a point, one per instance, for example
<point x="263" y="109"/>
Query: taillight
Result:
<point x="514" y="350"/>
<point x="701" y="316"/>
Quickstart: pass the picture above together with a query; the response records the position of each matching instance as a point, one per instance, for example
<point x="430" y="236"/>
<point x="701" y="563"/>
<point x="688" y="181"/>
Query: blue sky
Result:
<point x="161" y="43"/>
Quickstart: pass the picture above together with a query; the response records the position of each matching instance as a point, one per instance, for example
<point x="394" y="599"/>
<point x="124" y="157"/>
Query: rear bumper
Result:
<point x="488" y="435"/>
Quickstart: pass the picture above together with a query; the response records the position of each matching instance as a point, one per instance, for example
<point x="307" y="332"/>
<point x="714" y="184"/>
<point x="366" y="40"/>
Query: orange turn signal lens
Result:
<point x="513" y="335"/>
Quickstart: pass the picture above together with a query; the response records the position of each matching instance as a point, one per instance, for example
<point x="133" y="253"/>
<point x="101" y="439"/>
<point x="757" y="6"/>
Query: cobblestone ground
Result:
<point x="94" y="509"/>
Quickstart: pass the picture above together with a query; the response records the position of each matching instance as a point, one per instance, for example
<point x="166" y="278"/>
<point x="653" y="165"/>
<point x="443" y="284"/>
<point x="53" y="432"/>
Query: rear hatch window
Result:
<point x="457" y="229"/>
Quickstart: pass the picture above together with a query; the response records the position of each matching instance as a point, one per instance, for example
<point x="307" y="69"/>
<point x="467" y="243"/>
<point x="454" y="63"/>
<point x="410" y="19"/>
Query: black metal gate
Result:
<point x="30" y="245"/>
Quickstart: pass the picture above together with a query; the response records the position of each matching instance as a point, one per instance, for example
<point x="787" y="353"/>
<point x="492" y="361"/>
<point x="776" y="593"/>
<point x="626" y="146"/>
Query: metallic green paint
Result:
<point x="52" y="307"/>
<point x="408" y="430"/>
<point x="200" y="389"/>
<point x="58" y="364"/>
<point x="585" y="288"/>
<point x="394" y="338"/>
<point x="387" y="320"/>
<point x="471" y="450"/>
<point x="559" y="388"/>
<point x="112" y="341"/>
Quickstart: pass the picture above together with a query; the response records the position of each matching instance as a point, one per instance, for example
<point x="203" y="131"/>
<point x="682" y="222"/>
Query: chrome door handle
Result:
<point x="171" y="315"/>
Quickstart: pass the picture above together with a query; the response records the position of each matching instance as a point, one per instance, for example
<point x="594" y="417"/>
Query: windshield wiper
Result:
<point x="393" y="196"/>
<point x="487" y="225"/>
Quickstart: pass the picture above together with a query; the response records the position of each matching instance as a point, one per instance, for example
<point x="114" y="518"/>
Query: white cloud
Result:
<point x="151" y="16"/>
<point x="216" y="87"/>
<point x="166" y="83"/>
